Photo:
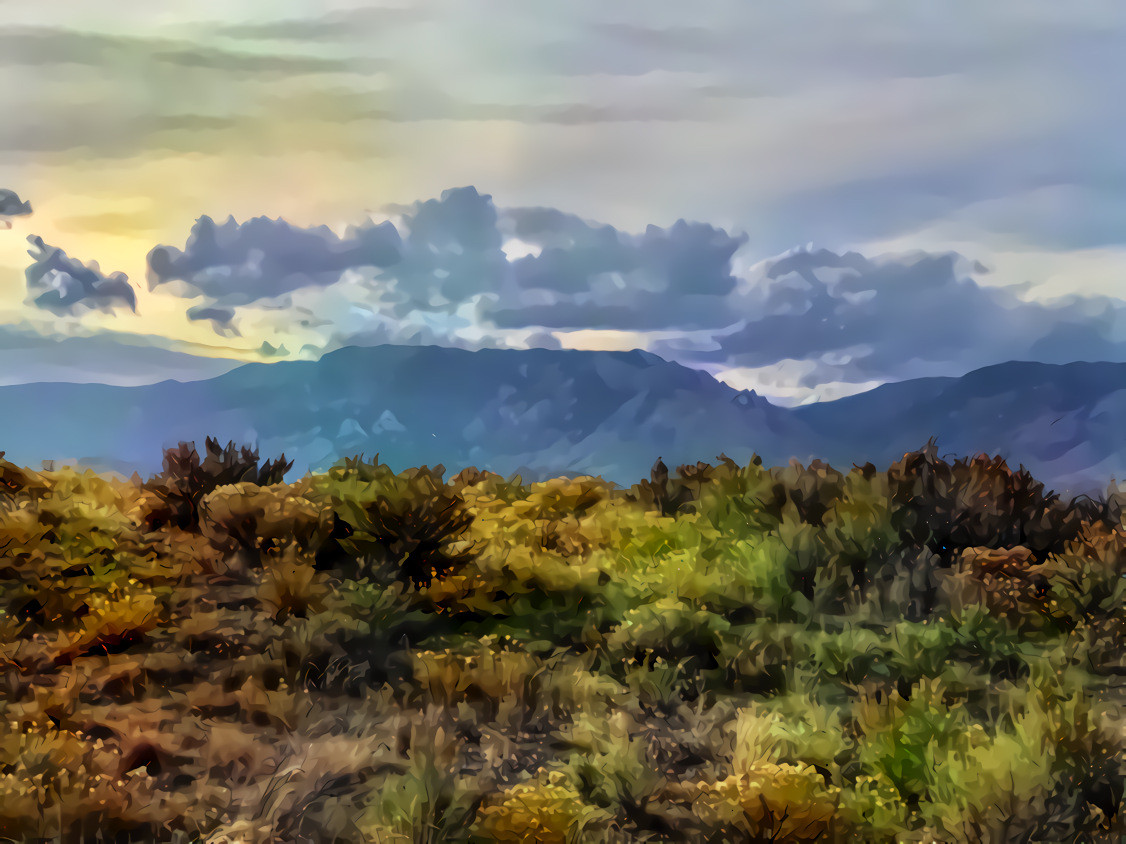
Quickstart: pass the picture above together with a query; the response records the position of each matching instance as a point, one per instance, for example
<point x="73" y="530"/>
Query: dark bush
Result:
<point x="14" y="480"/>
<point x="813" y="489"/>
<point x="977" y="502"/>
<point x="671" y="496"/>
<point x="412" y="530"/>
<point x="186" y="478"/>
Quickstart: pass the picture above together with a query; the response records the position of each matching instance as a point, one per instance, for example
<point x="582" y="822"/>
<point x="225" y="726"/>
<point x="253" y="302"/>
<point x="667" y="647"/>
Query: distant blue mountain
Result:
<point x="542" y="412"/>
<point x="1065" y="423"/>
<point x="535" y="412"/>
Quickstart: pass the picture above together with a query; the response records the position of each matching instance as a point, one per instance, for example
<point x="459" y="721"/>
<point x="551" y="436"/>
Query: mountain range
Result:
<point x="542" y="413"/>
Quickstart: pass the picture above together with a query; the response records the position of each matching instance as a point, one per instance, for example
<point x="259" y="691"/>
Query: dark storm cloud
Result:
<point x="66" y="285"/>
<point x="686" y="258"/>
<point x="451" y="250"/>
<point x="219" y="317"/>
<point x="598" y="277"/>
<point x="855" y="318"/>
<point x="813" y="303"/>
<point x="12" y="206"/>
<point x="892" y="317"/>
<point x="238" y="263"/>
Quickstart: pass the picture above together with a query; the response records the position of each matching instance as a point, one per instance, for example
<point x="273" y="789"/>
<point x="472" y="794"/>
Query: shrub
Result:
<point x="410" y="527"/>
<point x="612" y="768"/>
<point x="46" y="775"/>
<point x="489" y="483"/>
<point x="906" y="738"/>
<point x="546" y="809"/>
<point x="187" y="478"/>
<point x="670" y="631"/>
<point x="292" y="587"/>
<point x="812" y="489"/>
<point x="768" y="802"/>
<point x="859" y="526"/>
<point x="741" y="502"/>
<point x="669" y="497"/>
<point x="253" y="520"/>
<point x="871" y="808"/>
<point x="565" y="513"/>
<point x="1007" y="582"/>
<point x="15" y="481"/>
<point x="976" y="502"/>
<point x="426" y="801"/>
<point x="784" y="654"/>
<point x="417" y="539"/>
<point x="481" y="674"/>
<point x="114" y="621"/>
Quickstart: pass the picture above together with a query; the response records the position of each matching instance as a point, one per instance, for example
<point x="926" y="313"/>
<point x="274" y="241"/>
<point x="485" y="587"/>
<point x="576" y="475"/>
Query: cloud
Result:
<point x="860" y="123"/>
<point x="235" y="263"/>
<point x="220" y="318"/>
<point x="983" y="129"/>
<point x="587" y="276"/>
<point x="12" y="206"/>
<point x="68" y="285"/>
<point x="457" y="270"/>
<point x="827" y="320"/>
<point x="34" y="352"/>
<point x="38" y="46"/>
<point x="451" y="250"/>
<point x="93" y="91"/>
<point x="330" y="25"/>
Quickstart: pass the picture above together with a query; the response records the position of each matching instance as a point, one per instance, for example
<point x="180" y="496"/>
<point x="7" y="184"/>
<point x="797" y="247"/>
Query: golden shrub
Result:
<point x="488" y="673"/>
<point x="773" y="801"/>
<point x="251" y="518"/>
<point x="546" y="809"/>
<point x="292" y="586"/>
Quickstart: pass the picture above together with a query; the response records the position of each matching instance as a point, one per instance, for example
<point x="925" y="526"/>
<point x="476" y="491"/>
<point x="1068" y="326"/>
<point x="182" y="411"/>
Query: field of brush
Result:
<point x="926" y="652"/>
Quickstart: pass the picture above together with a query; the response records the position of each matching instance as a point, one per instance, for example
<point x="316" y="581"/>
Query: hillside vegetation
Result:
<point x="734" y="653"/>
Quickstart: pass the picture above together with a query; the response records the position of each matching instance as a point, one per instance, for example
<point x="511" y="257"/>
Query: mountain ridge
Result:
<point x="544" y="412"/>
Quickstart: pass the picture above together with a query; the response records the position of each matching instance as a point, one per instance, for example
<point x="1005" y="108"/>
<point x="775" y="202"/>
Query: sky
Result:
<point x="805" y="198"/>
